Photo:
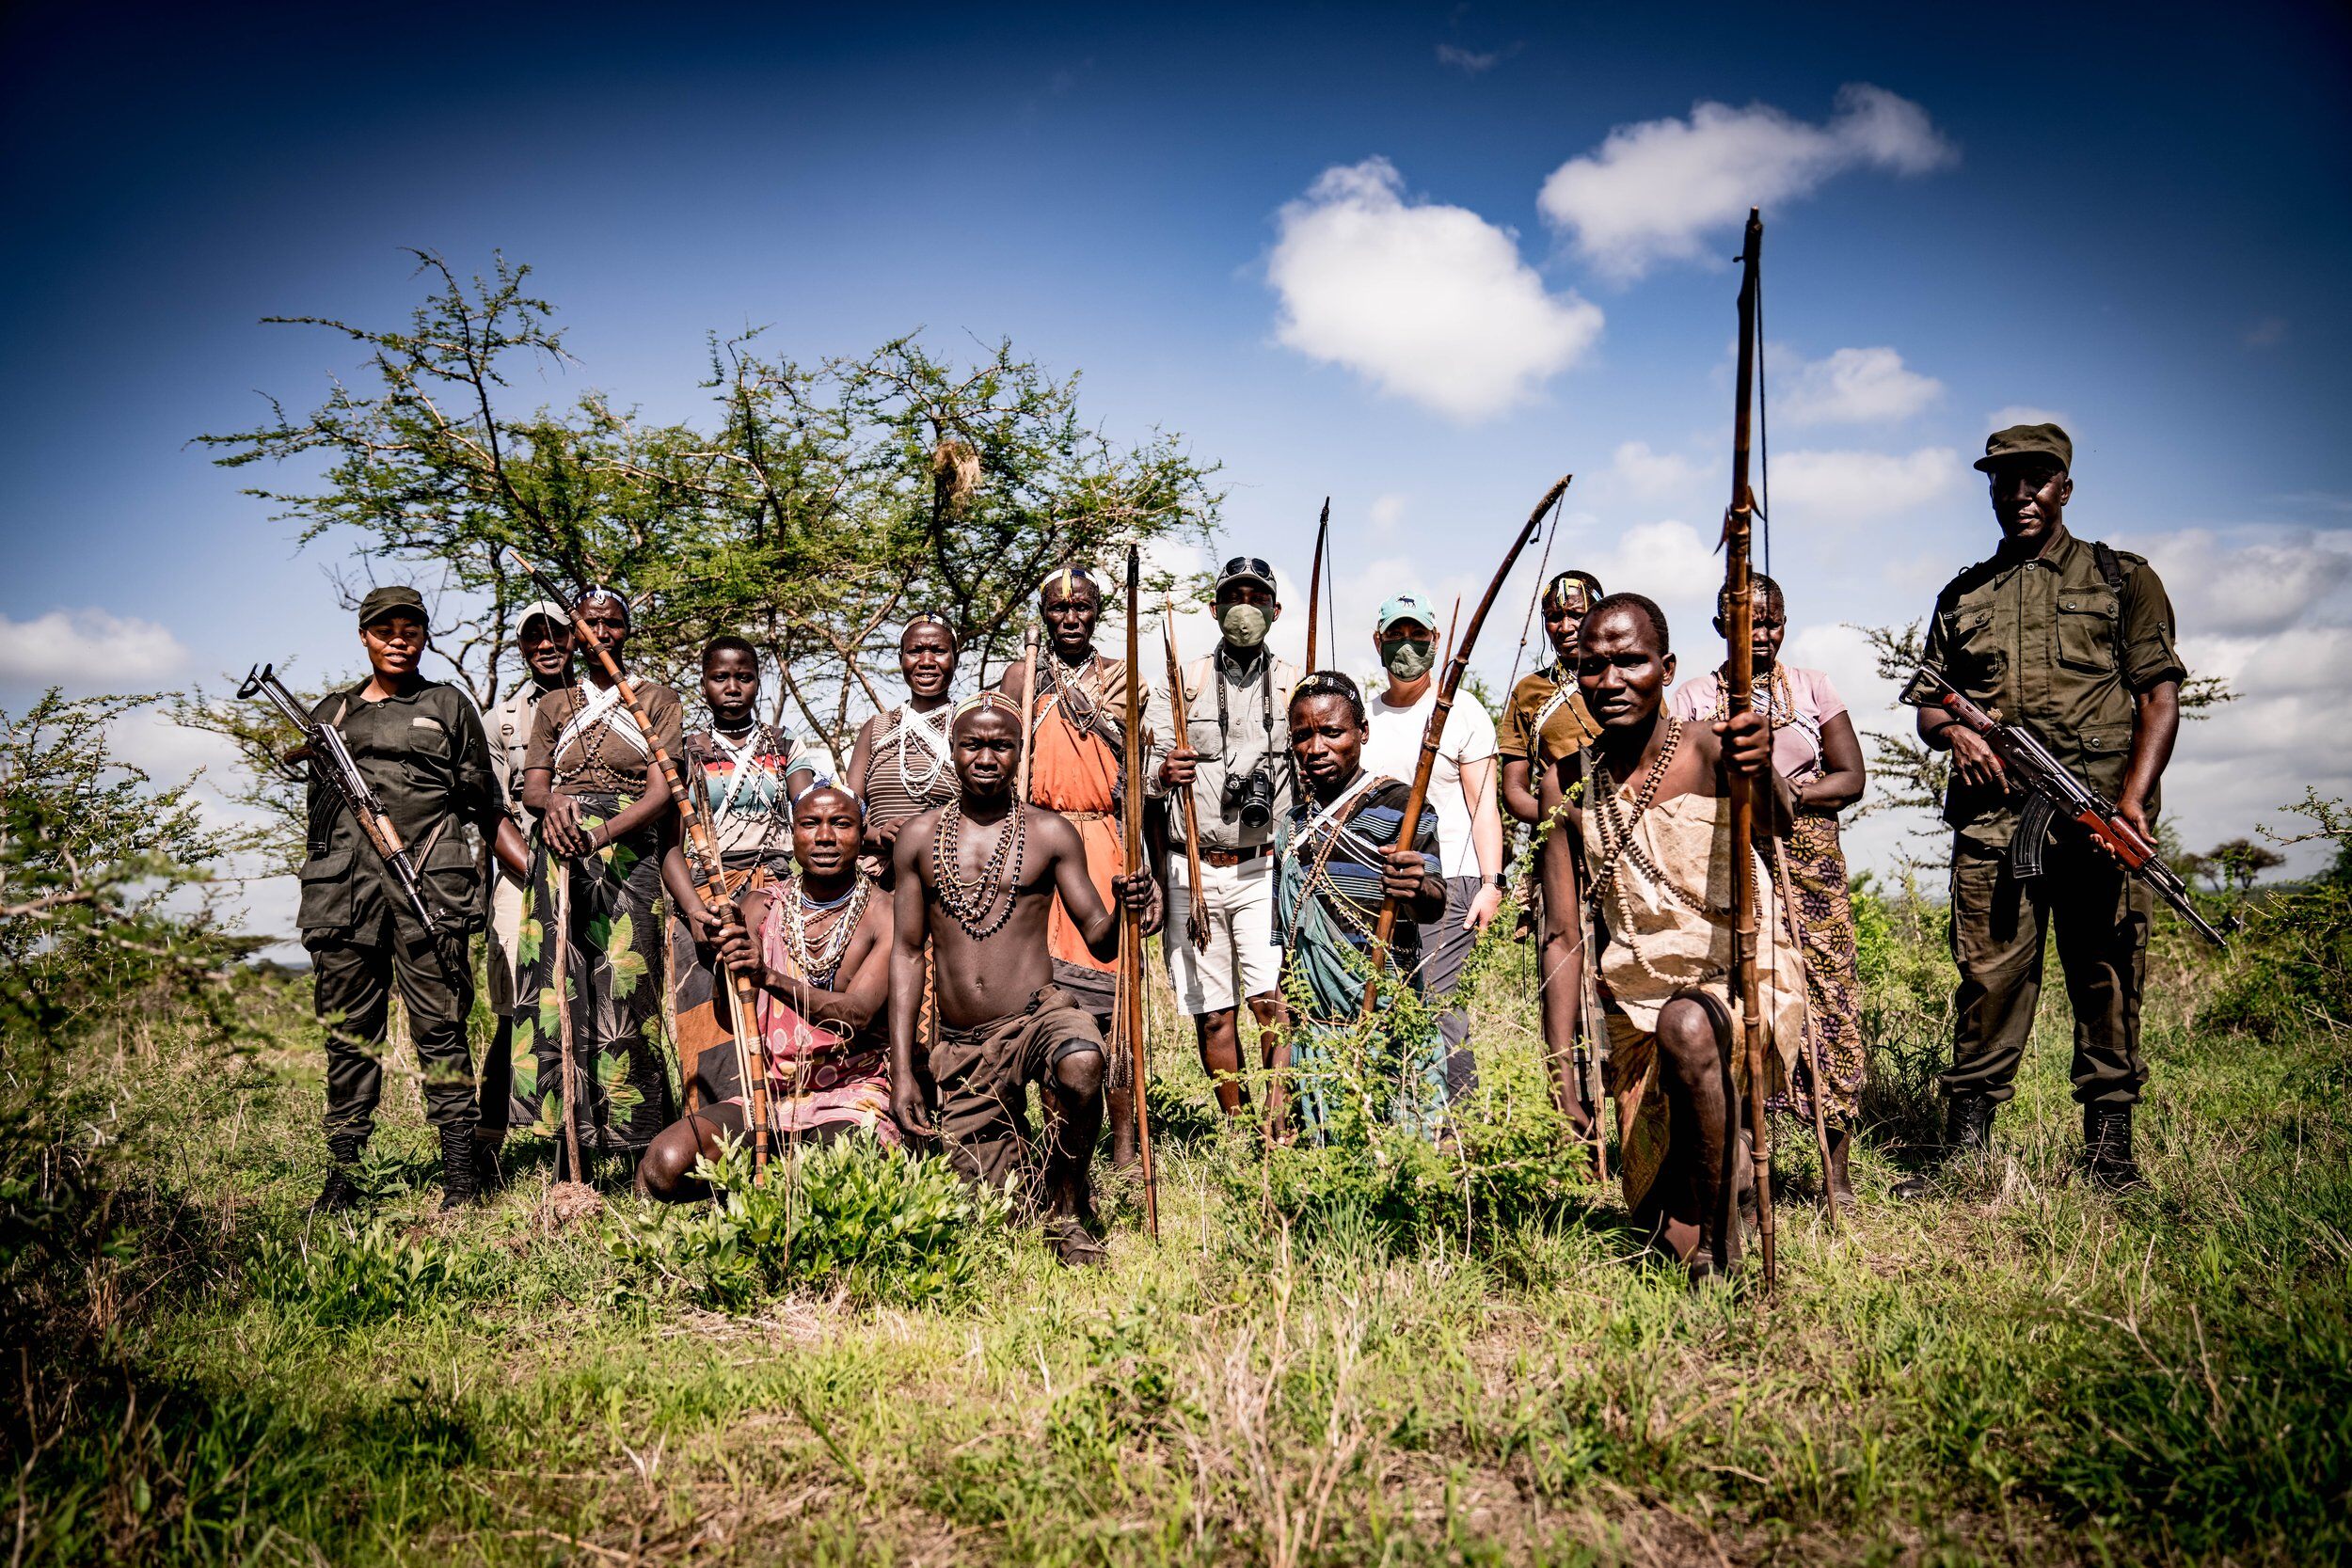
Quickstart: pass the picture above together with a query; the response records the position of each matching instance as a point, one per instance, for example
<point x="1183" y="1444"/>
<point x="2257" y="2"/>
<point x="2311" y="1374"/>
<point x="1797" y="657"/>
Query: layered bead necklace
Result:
<point x="968" y="903"/>
<point x="907" y="726"/>
<point x="1618" y="847"/>
<point x="820" y="962"/>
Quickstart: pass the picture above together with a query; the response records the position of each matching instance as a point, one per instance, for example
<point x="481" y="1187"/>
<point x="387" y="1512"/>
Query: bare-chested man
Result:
<point x="1656" y="843"/>
<point x="976" y="881"/>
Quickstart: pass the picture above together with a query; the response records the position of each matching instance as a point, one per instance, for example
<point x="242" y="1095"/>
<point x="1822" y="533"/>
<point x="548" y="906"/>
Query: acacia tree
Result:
<point x="819" y="507"/>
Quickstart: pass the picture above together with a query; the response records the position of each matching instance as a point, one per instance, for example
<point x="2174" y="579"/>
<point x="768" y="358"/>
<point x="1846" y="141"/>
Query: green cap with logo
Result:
<point x="2022" y="443"/>
<point x="392" y="600"/>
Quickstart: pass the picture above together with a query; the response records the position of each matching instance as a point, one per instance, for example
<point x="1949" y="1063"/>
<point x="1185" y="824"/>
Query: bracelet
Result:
<point x="1500" y="880"/>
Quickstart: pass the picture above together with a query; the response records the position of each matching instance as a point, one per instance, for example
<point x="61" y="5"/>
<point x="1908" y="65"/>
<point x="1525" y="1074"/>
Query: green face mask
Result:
<point x="1405" y="659"/>
<point x="1243" y="624"/>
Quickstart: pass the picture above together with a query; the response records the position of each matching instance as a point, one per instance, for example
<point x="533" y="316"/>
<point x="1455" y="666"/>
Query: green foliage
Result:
<point x="1903" y="961"/>
<point x="878" y="1225"/>
<point x="102" y="876"/>
<point x="345" y="1278"/>
<point x="813" y="511"/>
<point x="2290" y="968"/>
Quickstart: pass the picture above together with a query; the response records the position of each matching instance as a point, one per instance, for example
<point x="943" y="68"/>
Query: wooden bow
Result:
<point x="1434" y="733"/>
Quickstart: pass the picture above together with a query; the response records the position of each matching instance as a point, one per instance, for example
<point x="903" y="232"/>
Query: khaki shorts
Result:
<point x="506" y="926"/>
<point x="1242" y="960"/>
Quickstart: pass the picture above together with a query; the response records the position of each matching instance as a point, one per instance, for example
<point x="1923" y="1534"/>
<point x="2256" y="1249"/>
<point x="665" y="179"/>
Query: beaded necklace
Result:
<point x="906" y="722"/>
<point x="592" y="769"/>
<point x="820" y="963"/>
<point x="745" y="758"/>
<point x="968" y="903"/>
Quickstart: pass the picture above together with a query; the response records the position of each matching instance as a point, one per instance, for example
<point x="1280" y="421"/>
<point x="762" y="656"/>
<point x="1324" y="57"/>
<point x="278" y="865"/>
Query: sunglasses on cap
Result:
<point x="1245" y="566"/>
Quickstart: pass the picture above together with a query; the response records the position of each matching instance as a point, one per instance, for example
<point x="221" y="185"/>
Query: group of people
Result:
<point x="935" y="929"/>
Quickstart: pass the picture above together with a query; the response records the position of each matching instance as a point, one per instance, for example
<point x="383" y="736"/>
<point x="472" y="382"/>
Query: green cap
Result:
<point x="2022" y="441"/>
<point x="381" y="602"/>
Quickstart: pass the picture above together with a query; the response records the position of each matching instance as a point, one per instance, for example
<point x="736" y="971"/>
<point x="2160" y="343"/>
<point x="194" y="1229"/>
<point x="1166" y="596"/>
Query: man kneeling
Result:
<point x="817" y="948"/>
<point x="993" y="864"/>
<point x="1657" y="841"/>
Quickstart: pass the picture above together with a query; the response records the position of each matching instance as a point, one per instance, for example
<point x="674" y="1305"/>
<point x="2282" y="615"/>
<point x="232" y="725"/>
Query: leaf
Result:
<point x="527" y="941"/>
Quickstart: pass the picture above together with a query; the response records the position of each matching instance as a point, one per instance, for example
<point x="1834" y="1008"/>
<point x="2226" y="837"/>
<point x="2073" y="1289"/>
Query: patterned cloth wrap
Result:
<point x="817" y="1078"/>
<point x="624" y="1094"/>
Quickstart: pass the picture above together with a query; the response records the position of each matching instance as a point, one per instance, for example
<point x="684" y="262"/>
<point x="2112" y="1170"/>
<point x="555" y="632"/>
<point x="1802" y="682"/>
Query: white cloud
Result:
<point x="2253" y="756"/>
<point x="1854" y="385"/>
<point x="2242" y="587"/>
<point x="1637" y="471"/>
<point x="1387" y="514"/>
<point x="1470" y="62"/>
<point x="1655" y="190"/>
<point x="1835" y="487"/>
<point x="86" y="649"/>
<point x="1425" y="301"/>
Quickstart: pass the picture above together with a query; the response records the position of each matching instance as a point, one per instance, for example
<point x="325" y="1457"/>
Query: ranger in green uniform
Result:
<point x="420" y="745"/>
<point x="2074" y="641"/>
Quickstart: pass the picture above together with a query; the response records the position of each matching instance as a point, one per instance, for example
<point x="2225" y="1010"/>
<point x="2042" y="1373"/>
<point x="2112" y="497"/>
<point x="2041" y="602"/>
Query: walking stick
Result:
<point x="1740" y="691"/>
<point x="1315" y="583"/>
<point x="1029" y="713"/>
<point x="1434" y="730"/>
<point x="1590" y="1086"/>
<point x="702" y="852"/>
<point x="1180" y="709"/>
<point x="564" y="1012"/>
<point x="1131" y="920"/>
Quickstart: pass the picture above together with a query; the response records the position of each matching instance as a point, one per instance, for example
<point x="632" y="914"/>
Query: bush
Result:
<point x="2291" y="967"/>
<point x="350" y="1278"/>
<point x="881" y="1226"/>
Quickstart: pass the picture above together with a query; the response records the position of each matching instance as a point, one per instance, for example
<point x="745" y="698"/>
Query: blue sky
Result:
<point x="2131" y="220"/>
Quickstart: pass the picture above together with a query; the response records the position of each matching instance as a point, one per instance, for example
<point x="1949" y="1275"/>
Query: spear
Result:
<point x="702" y="849"/>
<point x="1434" y="732"/>
<point x="1314" y="585"/>
<point x="1179" y="707"/>
<point x="1131" y="919"/>
<point x="1740" y="689"/>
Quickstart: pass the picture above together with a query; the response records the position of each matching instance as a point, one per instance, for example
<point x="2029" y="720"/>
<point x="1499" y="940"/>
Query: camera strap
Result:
<point x="1224" y="717"/>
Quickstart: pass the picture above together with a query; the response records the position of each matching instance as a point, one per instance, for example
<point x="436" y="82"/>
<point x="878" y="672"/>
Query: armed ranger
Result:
<point x="2052" y="792"/>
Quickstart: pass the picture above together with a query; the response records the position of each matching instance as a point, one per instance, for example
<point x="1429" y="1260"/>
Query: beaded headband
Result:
<point x="991" y="698"/>
<point x="601" y="594"/>
<point x="1571" y="591"/>
<point x="1068" y="581"/>
<point x="927" y="619"/>
<point x="837" y="787"/>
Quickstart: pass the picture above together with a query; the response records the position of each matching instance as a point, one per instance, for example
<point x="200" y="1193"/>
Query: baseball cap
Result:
<point x="549" y="608"/>
<point x="2020" y="442"/>
<point x="393" y="599"/>
<point x="1246" y="568"/>
<point x="1407" y="607"/>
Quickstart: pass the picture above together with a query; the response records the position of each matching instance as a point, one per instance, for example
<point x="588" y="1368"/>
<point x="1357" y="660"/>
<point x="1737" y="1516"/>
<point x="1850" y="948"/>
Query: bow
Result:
<point x="1434" y="733"/>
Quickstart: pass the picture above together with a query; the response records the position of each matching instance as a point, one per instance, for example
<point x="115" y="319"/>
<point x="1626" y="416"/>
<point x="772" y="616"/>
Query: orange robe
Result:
<point x="1074" y="770"/>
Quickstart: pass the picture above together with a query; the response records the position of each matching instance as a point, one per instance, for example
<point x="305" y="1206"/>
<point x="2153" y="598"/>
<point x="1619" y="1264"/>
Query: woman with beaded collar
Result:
<point x="1657" y="845"/>
<point x="603" y="821"/>
<point x="748" y="773"/>
<point x="898" y="763"/>
<point x="816" y="945"/>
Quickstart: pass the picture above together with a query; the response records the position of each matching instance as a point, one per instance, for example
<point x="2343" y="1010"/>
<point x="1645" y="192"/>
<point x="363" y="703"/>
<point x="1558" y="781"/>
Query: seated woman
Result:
<point x="820" y="973"/>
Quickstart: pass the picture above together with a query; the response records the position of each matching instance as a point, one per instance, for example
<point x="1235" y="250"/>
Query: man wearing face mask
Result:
<point x="1233" y="762"/>
<point x="1462" y="796"/>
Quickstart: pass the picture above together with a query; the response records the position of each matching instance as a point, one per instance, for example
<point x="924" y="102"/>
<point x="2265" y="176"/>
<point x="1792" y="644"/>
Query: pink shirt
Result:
<point x="1796" y="736"/>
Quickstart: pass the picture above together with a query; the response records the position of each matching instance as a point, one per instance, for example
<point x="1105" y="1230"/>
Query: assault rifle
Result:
<point x="332" y="761"/>
<point x="2052" y="792"/>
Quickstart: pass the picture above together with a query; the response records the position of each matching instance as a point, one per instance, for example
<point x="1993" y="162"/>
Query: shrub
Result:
<point x="349" y="1279"/>
<point x="2291" y="967"/>
<point x="882" y="1226"/>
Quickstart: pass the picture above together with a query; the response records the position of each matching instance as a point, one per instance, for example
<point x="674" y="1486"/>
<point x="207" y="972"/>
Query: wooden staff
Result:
<point x="702" y="850"/>
<point x="1131" y="920"/>
<point x="1314" y="586"/>
<point x="1434" y="732"/>
<point x="564" y="1011"/>
<point x="1028" y="712"/>
<point x="1739" y="691"/>
<point x="1180" y="711"/>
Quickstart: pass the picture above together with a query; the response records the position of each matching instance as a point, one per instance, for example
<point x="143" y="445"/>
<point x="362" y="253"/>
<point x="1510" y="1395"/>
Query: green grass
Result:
<point x="2021" y="1370"/>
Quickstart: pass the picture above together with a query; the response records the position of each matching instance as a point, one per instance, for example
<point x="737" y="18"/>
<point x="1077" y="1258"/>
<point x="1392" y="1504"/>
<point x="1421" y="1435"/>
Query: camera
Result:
<point x="1251" y="796"/>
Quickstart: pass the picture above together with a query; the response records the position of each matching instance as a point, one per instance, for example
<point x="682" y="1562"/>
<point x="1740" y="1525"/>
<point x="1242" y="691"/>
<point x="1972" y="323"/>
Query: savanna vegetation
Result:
<point x="1371" y="1352"/>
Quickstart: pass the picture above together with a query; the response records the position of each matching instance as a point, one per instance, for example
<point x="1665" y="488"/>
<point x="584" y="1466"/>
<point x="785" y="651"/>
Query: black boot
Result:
<point x="1967" y="1129"/>
<point x="489" y="1172"/>
<point x="2108" y="1146"/>
<point x="340" y="1194"/>
<point x="460" y="1180"/>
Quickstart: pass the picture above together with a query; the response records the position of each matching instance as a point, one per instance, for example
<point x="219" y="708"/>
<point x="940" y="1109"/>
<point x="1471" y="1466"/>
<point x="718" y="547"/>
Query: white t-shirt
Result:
<point x="1394" y="749"/>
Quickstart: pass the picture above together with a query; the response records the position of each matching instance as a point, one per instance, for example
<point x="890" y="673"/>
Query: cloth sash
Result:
<point x="597" y="703"/>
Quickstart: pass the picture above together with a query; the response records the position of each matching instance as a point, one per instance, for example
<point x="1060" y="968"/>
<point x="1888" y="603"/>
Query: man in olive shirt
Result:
<point x="420" y="745"/>
<point x="2074" y="641"/>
